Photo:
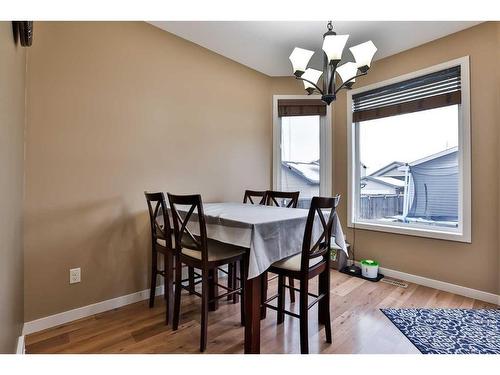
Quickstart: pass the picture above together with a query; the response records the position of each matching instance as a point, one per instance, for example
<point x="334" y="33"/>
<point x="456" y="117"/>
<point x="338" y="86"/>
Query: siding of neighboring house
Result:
<point x="372" y="187"/>
<point x="291" y="181"/>
<point x="432" y="191"/>
<point x="436" y="188"/>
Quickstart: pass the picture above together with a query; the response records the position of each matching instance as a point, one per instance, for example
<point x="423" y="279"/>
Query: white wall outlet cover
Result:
<point x="74" y="275"/>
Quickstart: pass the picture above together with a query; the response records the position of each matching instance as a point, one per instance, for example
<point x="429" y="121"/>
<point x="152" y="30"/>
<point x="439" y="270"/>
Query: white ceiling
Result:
<point x="266" y="45"/>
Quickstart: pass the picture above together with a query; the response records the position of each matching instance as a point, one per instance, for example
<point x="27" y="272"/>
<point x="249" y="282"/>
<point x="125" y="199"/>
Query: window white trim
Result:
<point x="463" y="232"/>
<point x="325" y="136"/>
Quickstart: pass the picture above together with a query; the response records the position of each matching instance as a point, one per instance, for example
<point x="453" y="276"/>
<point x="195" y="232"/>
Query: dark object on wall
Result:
<point x="15" y="31"/>
<point x="23" y="30"/>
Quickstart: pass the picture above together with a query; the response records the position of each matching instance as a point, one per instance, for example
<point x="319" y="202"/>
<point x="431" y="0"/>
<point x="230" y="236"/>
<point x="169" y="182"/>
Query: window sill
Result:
<point x="412" y="231"/>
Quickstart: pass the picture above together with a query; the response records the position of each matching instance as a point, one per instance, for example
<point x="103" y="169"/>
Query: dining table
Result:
<point x="270" y="234"/>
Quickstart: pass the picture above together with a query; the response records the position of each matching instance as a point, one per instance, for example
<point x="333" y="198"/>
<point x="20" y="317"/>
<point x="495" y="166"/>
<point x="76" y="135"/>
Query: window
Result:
<point x="302" y="147"/>
<point x="409" y="156"/>
<point x="300" y="166"/>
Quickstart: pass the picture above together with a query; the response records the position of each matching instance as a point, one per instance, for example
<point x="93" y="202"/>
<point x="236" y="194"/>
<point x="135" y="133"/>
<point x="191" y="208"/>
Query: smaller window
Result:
<point x="301" y="146"/>
<point x="300" y="159"/>
<point x="409" y="159"/>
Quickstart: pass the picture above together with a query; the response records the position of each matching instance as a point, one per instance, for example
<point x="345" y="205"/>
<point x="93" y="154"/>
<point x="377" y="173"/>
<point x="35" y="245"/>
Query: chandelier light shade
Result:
<point x="363" y="54"/>
<point x="311" y="75"/>
<point x="300" y="58"/>
<point x="333" y="47"/>
<point x="347" y="73"/>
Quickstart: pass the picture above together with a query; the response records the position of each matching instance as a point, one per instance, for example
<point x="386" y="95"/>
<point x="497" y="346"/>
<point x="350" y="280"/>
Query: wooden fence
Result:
<point x="380" y="206"/>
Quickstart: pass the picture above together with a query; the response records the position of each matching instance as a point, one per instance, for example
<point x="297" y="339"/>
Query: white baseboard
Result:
<point x="441" y="285"/>
<point x="20" y="345"/>
<point x="85" y="311"/>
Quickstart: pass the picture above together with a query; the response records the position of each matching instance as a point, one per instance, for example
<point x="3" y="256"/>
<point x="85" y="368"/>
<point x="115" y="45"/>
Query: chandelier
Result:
<point x="333" y="45"/>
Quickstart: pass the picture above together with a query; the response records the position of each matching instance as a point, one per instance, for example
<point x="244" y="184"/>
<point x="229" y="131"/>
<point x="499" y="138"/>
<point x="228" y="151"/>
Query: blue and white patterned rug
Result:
<point x="449" y="331"/>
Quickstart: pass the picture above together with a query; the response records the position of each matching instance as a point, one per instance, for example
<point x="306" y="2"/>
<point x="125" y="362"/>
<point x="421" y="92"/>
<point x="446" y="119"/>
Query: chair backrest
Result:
<point x="249" y="194"/>
<point x="320" y="207"/>
<point x="158" y="218"/>
<point x="282" y="198"/>
<point x="184" y="238"/>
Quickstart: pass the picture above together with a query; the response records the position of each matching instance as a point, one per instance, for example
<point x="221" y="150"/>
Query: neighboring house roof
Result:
<point x="389" y="167"/>
<point x="371" y="185"/>
<point x="433" y="156"/>
<point x="400" y="166"/>
<point x="309" y="172"/>
<point x="393" y="182"/>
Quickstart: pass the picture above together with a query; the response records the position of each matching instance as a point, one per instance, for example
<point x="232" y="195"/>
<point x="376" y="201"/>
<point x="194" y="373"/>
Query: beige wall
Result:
<point x="117" y="108"/>
<point x="12" y="116"/>
<point x="114" y="106"/>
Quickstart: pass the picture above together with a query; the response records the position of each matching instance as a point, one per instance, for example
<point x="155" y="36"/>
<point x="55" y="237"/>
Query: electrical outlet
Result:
<point x="75" y="275"/>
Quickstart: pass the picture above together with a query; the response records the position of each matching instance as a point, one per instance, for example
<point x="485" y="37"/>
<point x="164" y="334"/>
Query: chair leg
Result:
<point x="169" y="287"/>
<point x="165" y="268"/>
<point x="235" y="282"/>
<point x="178" y="289"/>
<point x="230" y="270"/>
<point x="204" y="311"/>
<point x="328" y="325"/>
<point x="191" y="280"/>
<point x="154" y="270"/>
<point x="323" y="288"/>
<point x="281" y="299"/>
<point x="304" y="332"/>
<point x="292" y="292"/>
<point x="324" y="304"/>
<point x="243" y="276"/>
<point x="263" y="295"/>
<point x="213" y="289"/>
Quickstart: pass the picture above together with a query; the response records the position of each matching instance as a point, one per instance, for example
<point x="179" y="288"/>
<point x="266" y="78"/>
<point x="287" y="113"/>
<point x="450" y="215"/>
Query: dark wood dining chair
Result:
<point x="206" y="255"/>
<point x="162" y="241"/>
<point x="250" y="195"/>
<point x="281" y="199"/>
<point x="314" y="260"/>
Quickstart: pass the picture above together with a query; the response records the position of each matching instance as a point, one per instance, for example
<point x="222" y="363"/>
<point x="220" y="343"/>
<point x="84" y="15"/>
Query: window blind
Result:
<point x="301" y="107"/>
<point x="434" y="90"/>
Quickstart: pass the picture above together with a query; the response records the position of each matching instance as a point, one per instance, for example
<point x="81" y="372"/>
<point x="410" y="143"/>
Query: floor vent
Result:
<point x="394" y="282"/>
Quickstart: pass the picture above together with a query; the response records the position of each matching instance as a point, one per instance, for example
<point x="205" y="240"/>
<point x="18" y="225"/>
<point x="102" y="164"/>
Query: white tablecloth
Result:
<point x="271" y="233"/>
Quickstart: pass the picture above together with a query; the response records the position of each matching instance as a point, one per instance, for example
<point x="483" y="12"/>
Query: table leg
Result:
<point x="252" y="315"/>
<point x="263" y="294"/>
<point x="213" y="289"/>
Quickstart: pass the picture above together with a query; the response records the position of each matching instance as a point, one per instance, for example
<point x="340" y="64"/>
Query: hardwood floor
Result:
<point x="358" y="325"/>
